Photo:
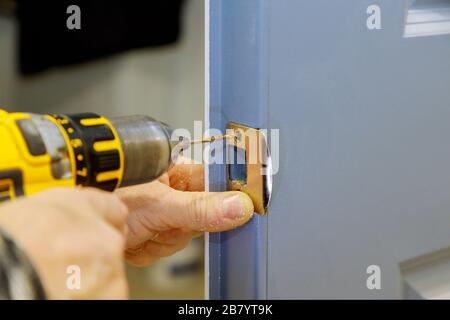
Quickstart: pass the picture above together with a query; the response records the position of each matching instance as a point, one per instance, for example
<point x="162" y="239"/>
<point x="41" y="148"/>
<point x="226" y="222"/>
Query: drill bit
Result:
<point x="214" y="138"/>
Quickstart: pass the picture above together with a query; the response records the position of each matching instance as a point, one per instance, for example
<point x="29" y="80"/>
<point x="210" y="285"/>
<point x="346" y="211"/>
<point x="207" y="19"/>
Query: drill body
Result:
<point x="39" y="152"/>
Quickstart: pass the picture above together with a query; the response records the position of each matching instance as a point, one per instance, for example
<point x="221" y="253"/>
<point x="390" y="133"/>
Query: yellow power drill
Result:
<point x="46" y="151"/>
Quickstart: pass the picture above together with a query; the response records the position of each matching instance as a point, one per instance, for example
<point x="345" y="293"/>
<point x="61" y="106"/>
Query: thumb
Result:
<point x="211" y="211"/>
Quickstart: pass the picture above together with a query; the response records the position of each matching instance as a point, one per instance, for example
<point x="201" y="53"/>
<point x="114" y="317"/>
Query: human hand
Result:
<point x="70" y="226"/>
<point x="166" y="214"/>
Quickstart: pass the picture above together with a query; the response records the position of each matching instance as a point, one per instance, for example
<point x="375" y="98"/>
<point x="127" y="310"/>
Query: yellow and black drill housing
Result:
<point x="46" y="151"/>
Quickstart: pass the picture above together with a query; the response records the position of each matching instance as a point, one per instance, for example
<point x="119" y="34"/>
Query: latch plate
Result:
<point x="249" y="166"/>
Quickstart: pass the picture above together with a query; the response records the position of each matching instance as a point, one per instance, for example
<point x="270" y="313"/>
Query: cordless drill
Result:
<point x="46" y="151"/>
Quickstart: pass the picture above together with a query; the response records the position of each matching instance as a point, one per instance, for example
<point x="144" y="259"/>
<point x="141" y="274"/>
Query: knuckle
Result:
<point x="161" y="251"/>
<point x="116" y="244"/>
<point x="121" y="209"/>
<point x="106" y="202"/>
<point x="156" y="251"/>
<point x="198" y="210"/>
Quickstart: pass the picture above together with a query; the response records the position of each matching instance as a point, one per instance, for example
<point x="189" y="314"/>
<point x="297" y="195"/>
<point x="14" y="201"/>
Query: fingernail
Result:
<point x="235" y="206"/>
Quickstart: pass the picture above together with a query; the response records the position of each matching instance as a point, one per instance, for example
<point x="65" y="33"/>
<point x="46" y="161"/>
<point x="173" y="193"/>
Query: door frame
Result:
<point x="236" y="89"/>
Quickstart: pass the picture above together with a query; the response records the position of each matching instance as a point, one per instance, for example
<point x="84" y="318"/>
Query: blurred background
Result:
<point x="130" y="74"/>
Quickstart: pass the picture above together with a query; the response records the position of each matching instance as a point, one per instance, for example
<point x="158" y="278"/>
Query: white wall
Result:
<point x="166" y="83"/>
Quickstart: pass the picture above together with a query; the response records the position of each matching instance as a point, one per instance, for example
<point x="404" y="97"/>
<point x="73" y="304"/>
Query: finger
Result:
<point x="169" y="237"/>
<point x="108" y="206"/>
<point x="143" y="202"/>
<point x="187" y="177"/>
<point x="157" y="207"/>
<point x="151" y="251"/>
<point x="206" y="211"/>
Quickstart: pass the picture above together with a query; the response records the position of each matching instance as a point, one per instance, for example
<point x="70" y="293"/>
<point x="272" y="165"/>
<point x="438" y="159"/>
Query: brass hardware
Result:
<point x="249" y="166"/>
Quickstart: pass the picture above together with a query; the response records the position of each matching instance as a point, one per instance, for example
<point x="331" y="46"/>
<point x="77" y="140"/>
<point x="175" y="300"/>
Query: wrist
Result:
<point x="18" y="278"/>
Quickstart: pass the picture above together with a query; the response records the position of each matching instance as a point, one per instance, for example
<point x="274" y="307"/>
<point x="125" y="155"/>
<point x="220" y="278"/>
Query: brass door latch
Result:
<point x="249" y="166"/>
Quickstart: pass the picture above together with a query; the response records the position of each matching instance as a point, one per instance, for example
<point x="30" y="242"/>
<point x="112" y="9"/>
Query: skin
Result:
<point x="96" y="230"/>
<point x="165" y="215"/>
<point x="64" y="227"/>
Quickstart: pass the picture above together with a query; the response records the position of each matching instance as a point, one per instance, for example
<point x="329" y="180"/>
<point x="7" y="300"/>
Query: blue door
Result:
<point x="360" y="91"/>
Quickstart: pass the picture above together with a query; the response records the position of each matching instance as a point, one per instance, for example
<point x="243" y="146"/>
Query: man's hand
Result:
<point x="166" y="214"/>
<point x="64" y="227"/>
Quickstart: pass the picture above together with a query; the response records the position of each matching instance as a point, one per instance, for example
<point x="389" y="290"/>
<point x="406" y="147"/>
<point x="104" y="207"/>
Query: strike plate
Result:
<point x="249" y="166"/>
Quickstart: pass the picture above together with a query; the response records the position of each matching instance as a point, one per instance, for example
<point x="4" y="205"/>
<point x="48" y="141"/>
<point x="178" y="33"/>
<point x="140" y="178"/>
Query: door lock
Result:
<point x="249" y="166"/>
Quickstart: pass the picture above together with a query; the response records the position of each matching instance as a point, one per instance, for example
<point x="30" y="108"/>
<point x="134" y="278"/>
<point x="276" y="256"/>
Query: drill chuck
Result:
<point x="146" y="147"/>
